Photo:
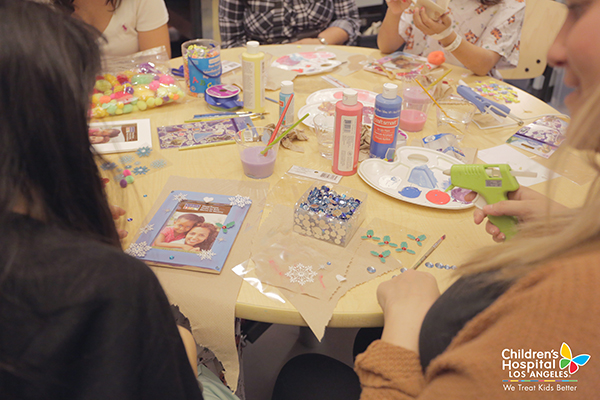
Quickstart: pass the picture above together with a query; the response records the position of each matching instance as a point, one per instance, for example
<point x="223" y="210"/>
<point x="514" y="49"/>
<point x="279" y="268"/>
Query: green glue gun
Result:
<point x="492" y="182"/>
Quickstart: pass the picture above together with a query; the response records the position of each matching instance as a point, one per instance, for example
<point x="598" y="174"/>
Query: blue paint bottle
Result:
<point x="385" y="123"/>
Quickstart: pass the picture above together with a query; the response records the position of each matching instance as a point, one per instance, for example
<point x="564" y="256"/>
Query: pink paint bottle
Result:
<point x="347" y="128"/>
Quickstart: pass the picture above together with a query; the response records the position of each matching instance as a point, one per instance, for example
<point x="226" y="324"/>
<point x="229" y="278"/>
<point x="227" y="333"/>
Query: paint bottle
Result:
<point x="385" y="123"/>
<point x="287" y="89"/>
<point x="347" y="128"/>
<point x="253" y="77"/>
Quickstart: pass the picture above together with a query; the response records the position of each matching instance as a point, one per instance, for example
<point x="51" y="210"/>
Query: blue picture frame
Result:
<point x="211" y="260"/>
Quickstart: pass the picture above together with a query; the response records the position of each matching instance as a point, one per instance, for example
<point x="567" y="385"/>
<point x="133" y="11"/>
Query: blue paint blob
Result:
<point x="410" y="192"/>
<point x="423" y="177"/>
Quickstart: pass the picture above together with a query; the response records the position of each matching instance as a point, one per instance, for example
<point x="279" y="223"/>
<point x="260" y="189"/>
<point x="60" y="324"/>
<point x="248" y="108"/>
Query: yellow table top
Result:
<point x="358" y="308"/>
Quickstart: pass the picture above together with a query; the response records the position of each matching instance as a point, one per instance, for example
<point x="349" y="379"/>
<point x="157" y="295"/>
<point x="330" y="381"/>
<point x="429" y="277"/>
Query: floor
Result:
<point x="263" y="359"/>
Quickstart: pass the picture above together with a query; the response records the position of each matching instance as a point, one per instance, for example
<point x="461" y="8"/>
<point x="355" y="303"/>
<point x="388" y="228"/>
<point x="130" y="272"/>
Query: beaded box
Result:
<point x="330" y="213"/>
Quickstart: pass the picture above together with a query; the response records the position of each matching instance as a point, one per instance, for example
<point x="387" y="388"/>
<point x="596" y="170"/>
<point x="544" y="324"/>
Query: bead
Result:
<point x="171" y="257"/>
<point x="429" y="265"/>
<point x="402" y="270"/>
<point x="129" y="219"/>
<point x="328" y="262"/>
<point x="439" y="265"/>
<point x="371" y="270"/>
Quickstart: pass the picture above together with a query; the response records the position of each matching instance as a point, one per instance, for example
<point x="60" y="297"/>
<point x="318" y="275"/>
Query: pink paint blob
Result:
<point x="438" y="197"/>
<point x="412" y="120"/>
<point x="256" y="165"/>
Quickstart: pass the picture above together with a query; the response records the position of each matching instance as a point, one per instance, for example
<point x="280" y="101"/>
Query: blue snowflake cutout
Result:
<point x="158" y="164"/>
<point x="143" y="170"/>
<point x="144" y="151"/>
<point x="125" y="159"/>
<point x="108" y="166"/>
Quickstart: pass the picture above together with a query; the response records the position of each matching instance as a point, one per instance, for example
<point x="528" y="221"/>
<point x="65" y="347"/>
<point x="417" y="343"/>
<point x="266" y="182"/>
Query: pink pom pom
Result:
<point x="154" y="85"/>
<point x="166" y="80"/>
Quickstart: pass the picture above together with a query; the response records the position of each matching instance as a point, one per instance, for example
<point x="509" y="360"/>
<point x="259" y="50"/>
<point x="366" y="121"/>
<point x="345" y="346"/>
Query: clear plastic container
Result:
<point x="415" y="106"/>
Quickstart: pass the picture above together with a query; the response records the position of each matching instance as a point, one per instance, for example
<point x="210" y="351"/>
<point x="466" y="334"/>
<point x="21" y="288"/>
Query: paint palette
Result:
<point x="307" y="63"/>
<point x="417" y="176"/>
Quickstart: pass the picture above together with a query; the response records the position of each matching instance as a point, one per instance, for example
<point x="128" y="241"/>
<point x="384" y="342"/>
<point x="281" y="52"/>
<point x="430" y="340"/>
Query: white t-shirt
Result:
<point x="496" y="28"/>
<point x="131" y="17"/>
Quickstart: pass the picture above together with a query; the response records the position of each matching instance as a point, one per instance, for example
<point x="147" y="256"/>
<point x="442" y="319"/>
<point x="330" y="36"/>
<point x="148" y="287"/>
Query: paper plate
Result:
<point x="335" y="94"/>
<point x="415" y="177"/>
<point x="307" y="63"/>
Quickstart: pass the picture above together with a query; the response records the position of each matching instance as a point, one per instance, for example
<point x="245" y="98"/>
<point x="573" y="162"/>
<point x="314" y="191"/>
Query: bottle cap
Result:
<point x="390" y="91"/>
<point x="350" y="97"/>
<point x="287" y="87"/>
<point x="252" y="47"/>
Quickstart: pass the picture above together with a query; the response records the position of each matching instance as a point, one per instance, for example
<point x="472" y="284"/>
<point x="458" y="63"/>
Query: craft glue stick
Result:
<point x="347" y="128"/>
<point x="287" y="89"/>
<point x="385" y="124"/>
<point x="253" y="77"/>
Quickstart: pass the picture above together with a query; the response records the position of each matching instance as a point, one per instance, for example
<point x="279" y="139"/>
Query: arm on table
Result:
<point x="154" y="38"/>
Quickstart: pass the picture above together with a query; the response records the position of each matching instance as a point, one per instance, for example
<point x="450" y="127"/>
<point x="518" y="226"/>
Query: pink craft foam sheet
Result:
<point x="417" y="176"/>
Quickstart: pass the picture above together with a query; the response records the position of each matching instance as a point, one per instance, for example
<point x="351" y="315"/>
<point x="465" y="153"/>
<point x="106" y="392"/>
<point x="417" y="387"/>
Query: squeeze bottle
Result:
<point x="287" y="89"/>
<point x="385" y="124"/>
<point x="347" y="128"/>
<point x="253" y="77"/>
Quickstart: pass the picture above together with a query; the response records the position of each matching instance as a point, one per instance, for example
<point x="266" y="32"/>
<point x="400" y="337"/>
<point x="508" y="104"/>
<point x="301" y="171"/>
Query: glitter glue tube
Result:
<point x="347" y="128"/>
<point x="385" y="124"/>
<point x="253" y="77"/>
<point x="287" y="89"/>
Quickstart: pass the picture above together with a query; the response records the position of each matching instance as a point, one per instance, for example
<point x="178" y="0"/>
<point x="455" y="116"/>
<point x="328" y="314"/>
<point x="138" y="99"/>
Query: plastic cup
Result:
<point x="250" y="142"/>
<point x="201" y="65"/>
<point x="324" y="129"/>
<point x="415" y="105"/>
<point x="460" y="114"/>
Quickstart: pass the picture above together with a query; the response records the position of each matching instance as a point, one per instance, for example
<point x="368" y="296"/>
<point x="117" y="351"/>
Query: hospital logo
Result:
<point x="572" y="362"/>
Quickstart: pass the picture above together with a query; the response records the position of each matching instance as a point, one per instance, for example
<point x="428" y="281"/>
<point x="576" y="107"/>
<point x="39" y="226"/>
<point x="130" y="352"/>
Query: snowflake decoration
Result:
<point x="147" y="228"/>
<point x="143" y="170"/>
<point x="144" y="151"/>
<point x="180" y="197"/>
<point x="108" y="166"/>
<point x="158" y="164"/>
<point x="138" y="250"/>
<point x="240" y="201"/>
<point x="301" y="274"/>
<point x="206" y="254"/>
<point x="125" y="159"/>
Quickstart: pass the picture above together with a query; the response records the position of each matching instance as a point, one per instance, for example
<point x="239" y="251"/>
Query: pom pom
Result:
<point x="436" y="57"/>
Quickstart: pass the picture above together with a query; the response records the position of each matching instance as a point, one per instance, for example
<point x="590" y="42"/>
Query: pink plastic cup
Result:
<point x="415" y="105"/>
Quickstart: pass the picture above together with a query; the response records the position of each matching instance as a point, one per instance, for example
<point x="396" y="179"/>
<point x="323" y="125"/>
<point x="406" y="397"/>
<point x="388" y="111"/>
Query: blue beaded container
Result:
<point x="330" y="213"/>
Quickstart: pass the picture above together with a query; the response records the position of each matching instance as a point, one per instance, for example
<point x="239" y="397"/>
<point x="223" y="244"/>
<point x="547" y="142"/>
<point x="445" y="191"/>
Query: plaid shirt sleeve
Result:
<point x="231" y="23"/>
<point x="346" y="17"/>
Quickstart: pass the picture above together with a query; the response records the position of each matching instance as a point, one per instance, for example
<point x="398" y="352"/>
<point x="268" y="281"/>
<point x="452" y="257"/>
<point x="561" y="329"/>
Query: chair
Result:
<point x="543" y="20"/>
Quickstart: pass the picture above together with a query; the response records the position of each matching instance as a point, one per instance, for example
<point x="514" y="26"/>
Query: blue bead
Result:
<point x="403" y="270"/>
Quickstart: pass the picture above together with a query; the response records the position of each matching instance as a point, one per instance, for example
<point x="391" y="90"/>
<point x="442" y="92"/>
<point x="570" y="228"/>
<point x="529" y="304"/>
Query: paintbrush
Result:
<point x="428" y="252"/>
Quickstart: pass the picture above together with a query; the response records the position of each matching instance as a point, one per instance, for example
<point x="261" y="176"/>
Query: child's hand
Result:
<point x="397" y="7"/>
<point x="429" y="26"/>
<point x="117" y="212"/>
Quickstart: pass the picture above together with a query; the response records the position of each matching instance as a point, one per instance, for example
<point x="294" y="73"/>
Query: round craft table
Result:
<point x="358" y="308"/>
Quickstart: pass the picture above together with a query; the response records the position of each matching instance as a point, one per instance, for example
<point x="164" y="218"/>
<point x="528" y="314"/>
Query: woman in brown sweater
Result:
<point x="523" y="319"/>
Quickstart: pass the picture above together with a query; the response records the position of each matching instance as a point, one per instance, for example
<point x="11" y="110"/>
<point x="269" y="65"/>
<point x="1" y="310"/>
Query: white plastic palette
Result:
<point x="417" y="176"/>
<point x="307" y="63"/>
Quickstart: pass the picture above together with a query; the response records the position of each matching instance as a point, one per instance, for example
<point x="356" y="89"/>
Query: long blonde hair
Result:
<point x="555" y="235"/>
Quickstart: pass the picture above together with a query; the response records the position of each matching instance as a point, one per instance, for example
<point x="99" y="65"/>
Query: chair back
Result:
<point x="543" y="20"/>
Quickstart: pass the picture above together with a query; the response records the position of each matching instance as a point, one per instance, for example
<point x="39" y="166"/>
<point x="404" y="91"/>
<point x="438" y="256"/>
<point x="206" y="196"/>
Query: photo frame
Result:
<point x="181" y="216"/>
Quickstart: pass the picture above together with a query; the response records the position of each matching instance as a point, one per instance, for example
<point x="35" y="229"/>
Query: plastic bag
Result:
<point x="136" y="82"/>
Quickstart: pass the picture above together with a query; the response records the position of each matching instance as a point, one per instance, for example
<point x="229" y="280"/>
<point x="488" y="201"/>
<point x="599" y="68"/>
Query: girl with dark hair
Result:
<point x="200" y="237"/>
<point x="78" y="318"/>
<point x="481" y="35"/>
<point x="128" y="26"/>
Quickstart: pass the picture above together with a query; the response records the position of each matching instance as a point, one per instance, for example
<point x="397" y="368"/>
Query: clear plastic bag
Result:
<point x="134" y="83"/>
